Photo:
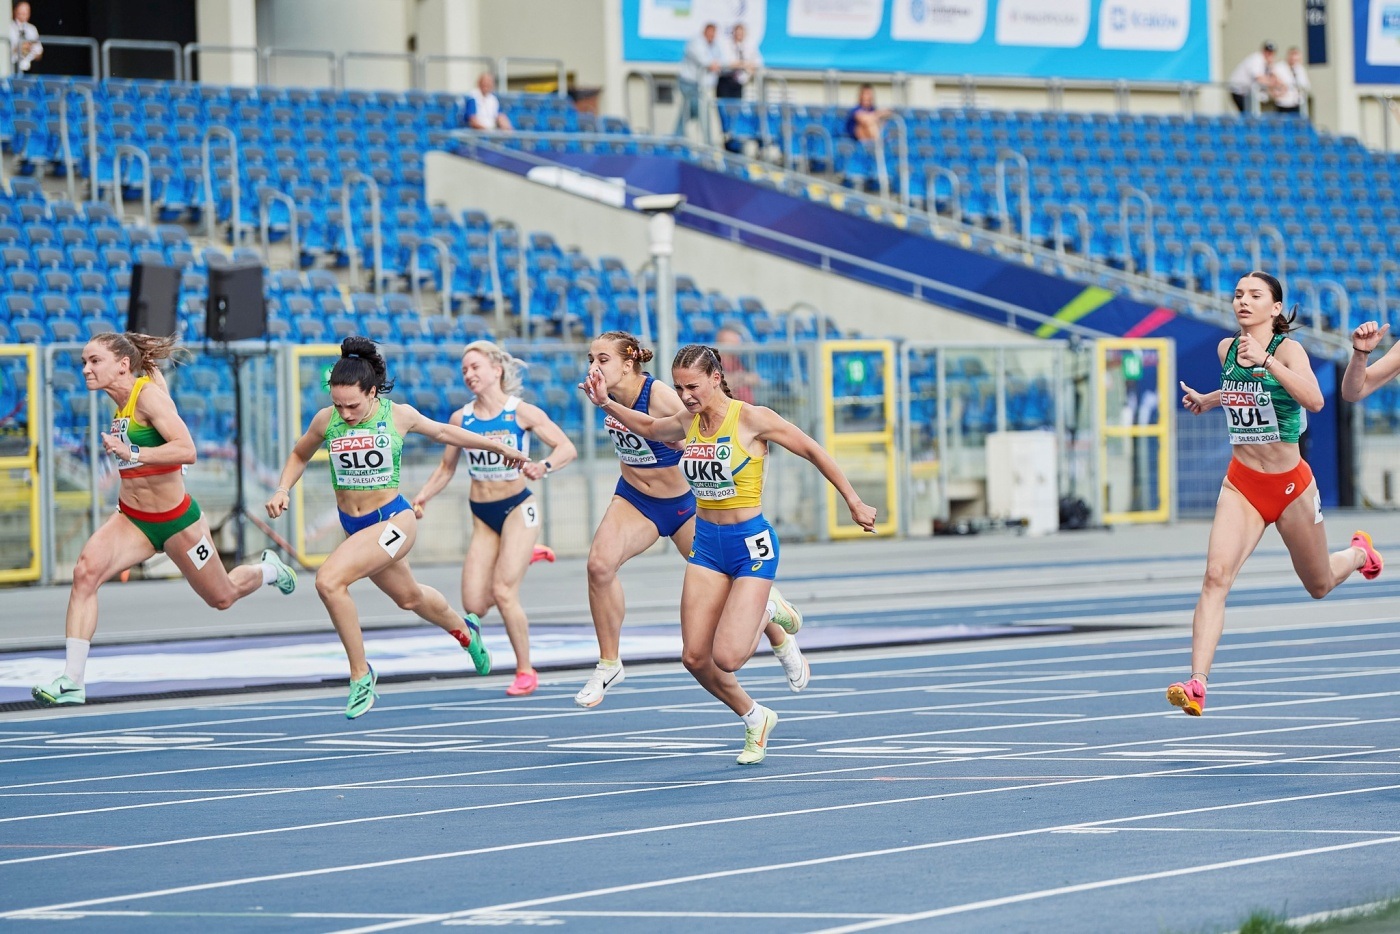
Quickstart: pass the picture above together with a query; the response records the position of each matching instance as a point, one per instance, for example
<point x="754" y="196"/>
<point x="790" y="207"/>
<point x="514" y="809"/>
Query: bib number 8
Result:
<point x="760" y="546"/>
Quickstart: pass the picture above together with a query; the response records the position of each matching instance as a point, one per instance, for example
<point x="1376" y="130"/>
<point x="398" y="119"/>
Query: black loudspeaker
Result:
<point x="235" y="310"/>
<point x="153" y="300"/>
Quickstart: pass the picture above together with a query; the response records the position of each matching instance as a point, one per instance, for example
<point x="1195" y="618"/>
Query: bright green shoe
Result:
<point x="756" y="740"/>
<point x="286" y="577"/>
<point x="476" y="648"/>
<point x="62" y="690"/>
<point x="362" y="695"/>
<point x="785" y="614"/>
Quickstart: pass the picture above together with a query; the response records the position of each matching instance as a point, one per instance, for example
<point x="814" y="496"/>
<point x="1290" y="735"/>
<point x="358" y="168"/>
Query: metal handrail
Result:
<point x="444" y="267"/>
<point x="85" y="93"/>
<point x="498" y="293"/>
<point x="1280" y="248"/>
<point x="1122" y="96"/>
<point x="350" y="179"/>
<point x="522" y="291"/>
<point x="148" y="45"/>
<point x="1149" y="236"/>
<point x="192" y="47"/>
<point x="424" y="60"/>
<point x="1388" y="108"/>
<point x="268" y="194"/>
<point x="649" y="80"/>
<point x="640" y="282"/>
<point x="1343" y="301"/>
<point x="821" y="133"/>
<point x="784" y="108"/>
<point x="954" y="191"/>
<point x="409" y="57"/>
<point x="210" y="208"/>
<point x="881" y="166"/>
<point x="266" y="54"/>
<point x="1382" y="286"/>
<point x="832" y="79"/>
<point x="82" y="42"/>
<point x="1305" y="289"/>
<point x="1086" y="229"/>
<point x="1003" y="204"/>
<point x="561" y="74"/>
<point x="1212" y="256"/>
<point x="118" y="202"/>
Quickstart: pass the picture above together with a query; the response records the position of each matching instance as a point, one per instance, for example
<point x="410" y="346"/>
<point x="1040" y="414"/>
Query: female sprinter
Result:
<point x="735" y="554"/>
<point x="363" y="431"/>
<point x="151" y="445"/>
<point x="652" y="500"/>
<point x="1265" y="382"/>
<point x="505" y="517"/>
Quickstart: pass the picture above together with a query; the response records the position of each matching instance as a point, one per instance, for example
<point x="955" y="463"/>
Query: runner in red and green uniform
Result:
<point x="363" y="431"/>
<point x="151" y="447"/>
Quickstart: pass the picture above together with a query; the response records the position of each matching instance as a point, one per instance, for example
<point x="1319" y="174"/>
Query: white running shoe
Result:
<point x="785" y="614"/>
<point x="603" y="677"/>
<point x="794" y="664"/>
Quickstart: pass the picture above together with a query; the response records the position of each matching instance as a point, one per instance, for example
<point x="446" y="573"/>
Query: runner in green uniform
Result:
<point x="150" y="445"/>
<point x="363" y="432"/>
<point x="1266" y="382"/>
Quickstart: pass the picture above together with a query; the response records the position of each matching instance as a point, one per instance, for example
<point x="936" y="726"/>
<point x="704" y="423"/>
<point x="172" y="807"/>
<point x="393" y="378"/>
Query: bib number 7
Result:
<point x="760" y="546"/>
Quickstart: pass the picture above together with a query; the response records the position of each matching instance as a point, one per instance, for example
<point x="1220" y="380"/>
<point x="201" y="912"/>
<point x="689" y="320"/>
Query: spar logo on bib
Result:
<point x="360" y="452"/>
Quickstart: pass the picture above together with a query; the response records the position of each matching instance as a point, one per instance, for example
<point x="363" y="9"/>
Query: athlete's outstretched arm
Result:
<point x="157" y="409"/>
<point x="1361" y="380"/>
<point x="668" y="429"/>
<point x="561" y="450"/>
<point x="442" y="474"/>
<point x="772" y="428"/>
<point x="420" y="424"/>
<point x="1198" y="402"/>
<point x="301" y="455"/>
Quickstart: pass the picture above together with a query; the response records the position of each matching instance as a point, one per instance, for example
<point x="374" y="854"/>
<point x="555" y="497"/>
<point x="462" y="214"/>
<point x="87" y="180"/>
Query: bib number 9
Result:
<point x="760" y="546"/>
<point x="532" y="515"/>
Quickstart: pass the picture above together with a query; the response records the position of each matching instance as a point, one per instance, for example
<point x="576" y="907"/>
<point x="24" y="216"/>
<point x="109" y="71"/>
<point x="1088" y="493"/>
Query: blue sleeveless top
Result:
<point x="503" y="427"/>
<point x="634" y="450"/>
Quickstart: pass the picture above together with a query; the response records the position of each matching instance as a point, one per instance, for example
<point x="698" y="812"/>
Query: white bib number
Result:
<point x="201" y="553"/>
<point x="391" y="539"/>
<point x="1251" y="414"/>
<point x="531" y="512"/>
<point x="760" y="546"/>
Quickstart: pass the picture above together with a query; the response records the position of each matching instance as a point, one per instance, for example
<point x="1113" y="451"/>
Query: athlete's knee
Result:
<point x="1318" y="589"/>
<point x="601" y="569"/>
<point x="695" y="661"/>
<point x="503" y="593"/>
<point x="729" y="660"/>
<point x="221" y="600"/>
<point x="411" y="602"/>
<point x="328" y="586"/>
<point x="1218" y="576"/>
<point x="87" y="575"/>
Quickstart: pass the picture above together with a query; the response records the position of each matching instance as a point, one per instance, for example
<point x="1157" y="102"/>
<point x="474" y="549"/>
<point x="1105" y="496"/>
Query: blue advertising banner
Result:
<point x="1376" y="25"/>
<point x="1144" y="40"/>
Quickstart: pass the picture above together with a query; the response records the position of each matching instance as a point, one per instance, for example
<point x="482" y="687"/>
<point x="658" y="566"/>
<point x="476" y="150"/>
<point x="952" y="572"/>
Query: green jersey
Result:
<point x="1259" y="409"/>
<point x="365" y="456"/>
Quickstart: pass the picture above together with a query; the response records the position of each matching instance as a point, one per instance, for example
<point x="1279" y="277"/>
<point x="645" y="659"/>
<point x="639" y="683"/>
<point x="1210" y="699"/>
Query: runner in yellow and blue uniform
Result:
<point x="363" y="432"/>
<point x="505" y="516"/>
<point x="150" y="446"/>
<point x="735" y="555"/>
<point x="1266" y="382"/>
<point x="652" y="500"/>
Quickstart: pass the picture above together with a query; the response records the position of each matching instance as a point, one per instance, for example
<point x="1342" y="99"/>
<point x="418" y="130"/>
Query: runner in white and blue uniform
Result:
<point x="652" y="500"/>
<point x="505" y="516"/>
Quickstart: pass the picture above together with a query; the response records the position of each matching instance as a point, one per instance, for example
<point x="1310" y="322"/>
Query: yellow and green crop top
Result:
<point x="137" y="436"/>
<point x="720" y="472"/>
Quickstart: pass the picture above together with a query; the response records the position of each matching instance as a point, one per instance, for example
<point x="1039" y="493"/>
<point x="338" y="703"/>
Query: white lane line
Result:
<point x="590" y="838"/>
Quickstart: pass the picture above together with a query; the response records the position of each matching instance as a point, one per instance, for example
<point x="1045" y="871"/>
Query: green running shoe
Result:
<point x="785" y="614"/>
<point x="476" y="648"/>
<point x="362" y="695"/>
<point x="756" y="740"/>
<point x="286" y="577"/>
<point x="62" y="690"/>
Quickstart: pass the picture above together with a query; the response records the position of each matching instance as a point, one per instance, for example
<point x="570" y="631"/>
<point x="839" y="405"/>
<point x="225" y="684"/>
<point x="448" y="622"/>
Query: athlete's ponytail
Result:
<point x="145" y="351"/>
<point x="510" y="367"/>
<point x="702" y="358"/>
<point x="628" y="347"/>
<point x="361" y="365"/>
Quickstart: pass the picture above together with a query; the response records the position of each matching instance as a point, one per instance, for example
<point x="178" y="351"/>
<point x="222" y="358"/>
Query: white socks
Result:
<point x="786" y="647"/>
<point x="753" y="719"/>
<point x="609" y="663"/>
<point x="75" y="659"/>
<point x="772" y="609"/>
<point x="269" y="574"/>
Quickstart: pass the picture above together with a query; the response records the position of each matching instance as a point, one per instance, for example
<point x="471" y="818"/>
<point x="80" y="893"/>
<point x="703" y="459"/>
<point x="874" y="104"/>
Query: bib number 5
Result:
<point x="760" y="546"/>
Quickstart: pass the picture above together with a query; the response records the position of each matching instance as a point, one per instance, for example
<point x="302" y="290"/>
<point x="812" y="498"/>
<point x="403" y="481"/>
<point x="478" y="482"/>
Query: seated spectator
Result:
<point x="1254" y="73"/>
<point x="25" y="48"/>
<point x="1291" y="82"/>
<point x="483" y="107"/>
<point x="741" y="60"/>
<point x="863" y="122"/>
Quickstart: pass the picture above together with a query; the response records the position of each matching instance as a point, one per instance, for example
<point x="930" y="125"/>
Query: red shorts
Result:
<point x="1270" y="493"/>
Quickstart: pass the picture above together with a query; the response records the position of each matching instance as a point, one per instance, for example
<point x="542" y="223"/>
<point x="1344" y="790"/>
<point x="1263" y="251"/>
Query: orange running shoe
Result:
<point x="1374" y="562"/>
<point x="542" y="553"/>
<point x="1190" y="696"/>
<point x="525" y="683"/>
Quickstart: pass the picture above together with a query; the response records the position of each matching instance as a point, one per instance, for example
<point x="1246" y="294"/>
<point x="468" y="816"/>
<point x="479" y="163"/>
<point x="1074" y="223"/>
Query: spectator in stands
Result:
<point x="484" y="107"/>
<point x="741" y="379"/>
<point x="741" y="61"/>
<point x="700" y="68"/>
<point x="1291" y="82"/>
<point x="1255" y="72"/>
<point x="25" y="48"/>
<point x="864" y="120"/>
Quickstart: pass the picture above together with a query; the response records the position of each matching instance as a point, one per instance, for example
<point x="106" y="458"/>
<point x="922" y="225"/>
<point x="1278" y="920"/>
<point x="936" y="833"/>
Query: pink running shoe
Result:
<point x="525" y="683"/>
<point x="542" y="553"/>
<point x="1189" y="696"/>
<point x="1374" y="562"/>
